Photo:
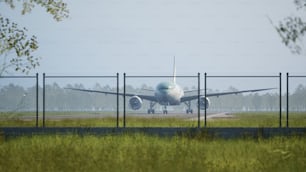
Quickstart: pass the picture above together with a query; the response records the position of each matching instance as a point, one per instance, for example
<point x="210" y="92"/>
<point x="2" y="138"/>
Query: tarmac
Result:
<point x="85" y="115"/>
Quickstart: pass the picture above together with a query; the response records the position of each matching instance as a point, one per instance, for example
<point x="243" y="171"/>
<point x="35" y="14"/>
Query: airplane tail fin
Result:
<point x="174" y="71"/>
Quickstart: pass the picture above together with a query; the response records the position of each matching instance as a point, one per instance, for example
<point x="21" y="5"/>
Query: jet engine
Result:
<point x="204" y="102"/>
<point x="135" y="102"/>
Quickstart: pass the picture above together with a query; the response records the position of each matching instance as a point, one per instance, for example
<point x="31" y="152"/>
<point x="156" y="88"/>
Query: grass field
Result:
<point x="138" y="152"/>
<point x="260" y="119"/>
<point x="255" y="119"/>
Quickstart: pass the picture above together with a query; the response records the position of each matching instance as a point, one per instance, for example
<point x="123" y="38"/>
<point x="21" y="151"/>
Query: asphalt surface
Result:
<point x="88" y="115"/>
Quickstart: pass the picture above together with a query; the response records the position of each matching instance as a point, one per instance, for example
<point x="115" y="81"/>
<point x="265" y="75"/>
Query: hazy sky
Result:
<point x="140" y="37"/>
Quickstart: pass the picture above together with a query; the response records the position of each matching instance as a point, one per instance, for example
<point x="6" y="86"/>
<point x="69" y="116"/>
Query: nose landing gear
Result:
<point x="165" y="110"/>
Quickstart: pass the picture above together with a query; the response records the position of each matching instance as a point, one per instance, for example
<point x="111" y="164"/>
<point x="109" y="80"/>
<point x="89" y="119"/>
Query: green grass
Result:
<point x="254" y="119"/>
<point x="138" y="152"/>
<point x="260" y="119"/>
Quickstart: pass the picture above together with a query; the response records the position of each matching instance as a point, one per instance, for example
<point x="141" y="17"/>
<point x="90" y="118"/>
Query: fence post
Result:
<point x="117" y="124"/>
<point x="280" y="100"/>
<point x="44" y="99"/>
<point x="199" y="103"/>
<point x="124" y="105"/>
<point x="205" y="109"/>
<point x="37" y="91"/>
<point x="287" y="106"/>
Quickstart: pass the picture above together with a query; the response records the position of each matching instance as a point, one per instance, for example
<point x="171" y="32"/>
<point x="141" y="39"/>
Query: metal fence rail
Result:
<point x="245" y="76"/>
<point x="37" y="90"/>
<point x="52" y="76"/>
<point x="125" y="77"/>
<point x="287" y="95"/>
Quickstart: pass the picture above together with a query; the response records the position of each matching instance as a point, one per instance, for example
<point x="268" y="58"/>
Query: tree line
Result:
<point x="17" y="98"/>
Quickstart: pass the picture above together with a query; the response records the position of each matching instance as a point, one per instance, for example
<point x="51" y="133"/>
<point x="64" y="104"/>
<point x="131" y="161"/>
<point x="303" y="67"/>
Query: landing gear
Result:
<point x="151" y="110"/>
<point x="188" y="104"/>
<point x="189" y="111"/>
<point x="165" y="110"/>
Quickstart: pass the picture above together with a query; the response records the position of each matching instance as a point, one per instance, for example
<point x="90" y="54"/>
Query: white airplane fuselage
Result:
<point x="168" y="93"/>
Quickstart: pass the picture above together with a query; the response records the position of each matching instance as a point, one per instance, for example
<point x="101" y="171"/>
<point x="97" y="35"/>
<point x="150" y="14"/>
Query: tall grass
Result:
<point x="138" y="152"/>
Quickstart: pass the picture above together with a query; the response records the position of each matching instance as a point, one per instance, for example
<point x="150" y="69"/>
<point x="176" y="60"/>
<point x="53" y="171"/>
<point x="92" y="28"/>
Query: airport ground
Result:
<point x="108" y="119"/>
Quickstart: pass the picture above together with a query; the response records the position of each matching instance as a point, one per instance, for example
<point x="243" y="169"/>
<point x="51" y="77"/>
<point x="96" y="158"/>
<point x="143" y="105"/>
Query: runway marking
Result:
<point x="213" y="116"/>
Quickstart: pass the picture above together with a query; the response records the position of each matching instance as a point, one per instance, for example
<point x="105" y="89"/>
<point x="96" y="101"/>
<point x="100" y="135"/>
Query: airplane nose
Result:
<point x="164" y="91"/>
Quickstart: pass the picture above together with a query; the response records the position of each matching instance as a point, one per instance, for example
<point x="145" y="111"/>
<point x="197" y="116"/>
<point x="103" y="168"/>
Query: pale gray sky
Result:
<point x="140" y="37"/>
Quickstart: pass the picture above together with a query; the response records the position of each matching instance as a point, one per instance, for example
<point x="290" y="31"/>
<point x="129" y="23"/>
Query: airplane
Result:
<point x="169" y="94"/>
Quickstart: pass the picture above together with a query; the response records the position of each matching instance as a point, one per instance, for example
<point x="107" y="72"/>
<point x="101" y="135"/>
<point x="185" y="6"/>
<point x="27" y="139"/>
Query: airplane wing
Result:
<point x="145" y="89"/>
<point x="190" y="91"/>
<point x="145" y="97"/>
<point x="194" y="97"/>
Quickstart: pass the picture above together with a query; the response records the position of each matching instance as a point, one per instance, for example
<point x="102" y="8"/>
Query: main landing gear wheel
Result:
<point x="151" y="111"/>
<point x="189" y="111"/>
<point x="165" y="110"/>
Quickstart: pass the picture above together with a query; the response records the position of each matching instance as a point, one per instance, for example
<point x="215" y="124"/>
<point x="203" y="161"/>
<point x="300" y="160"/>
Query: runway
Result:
<point x="222" y="115"/>
<point x="88" y="115"/>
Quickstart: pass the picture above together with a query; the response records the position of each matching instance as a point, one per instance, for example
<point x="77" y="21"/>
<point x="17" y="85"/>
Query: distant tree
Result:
<point x="298" y="99"/>
<point x="292" y="29"/>
<point x="11" y="97"/>
<point x="16" y="46"/>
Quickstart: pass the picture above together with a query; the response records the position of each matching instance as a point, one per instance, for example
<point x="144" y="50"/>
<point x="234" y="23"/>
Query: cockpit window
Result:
<point x="165" y="86"/>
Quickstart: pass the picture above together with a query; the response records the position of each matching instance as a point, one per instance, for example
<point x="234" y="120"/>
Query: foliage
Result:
<point x="14" y="40"/>
<point x="293" y="28"/>
<point x="16" y="46"/>
<point x="138" y="152"/>
<point x="57" y="8"/>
